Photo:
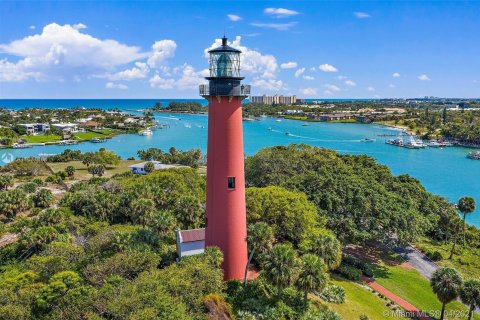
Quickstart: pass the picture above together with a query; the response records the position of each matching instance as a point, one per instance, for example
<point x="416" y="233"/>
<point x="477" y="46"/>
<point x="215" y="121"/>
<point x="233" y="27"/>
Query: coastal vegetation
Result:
<point x="50" y="126"/>
<point x="105" y="248"/>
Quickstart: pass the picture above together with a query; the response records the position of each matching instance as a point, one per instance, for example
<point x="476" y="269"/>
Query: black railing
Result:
<point x="240" y="90"/>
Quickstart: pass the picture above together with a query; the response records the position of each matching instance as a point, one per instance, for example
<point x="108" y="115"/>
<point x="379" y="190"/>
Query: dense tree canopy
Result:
<point x="360" y="199"/>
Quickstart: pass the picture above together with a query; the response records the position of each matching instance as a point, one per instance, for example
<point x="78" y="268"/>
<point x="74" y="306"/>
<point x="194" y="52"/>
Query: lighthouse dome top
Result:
<point x="224" y="47"/>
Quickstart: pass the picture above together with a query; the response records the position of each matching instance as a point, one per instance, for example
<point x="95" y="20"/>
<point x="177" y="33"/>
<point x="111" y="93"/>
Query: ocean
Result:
<point x="446" y="172"/>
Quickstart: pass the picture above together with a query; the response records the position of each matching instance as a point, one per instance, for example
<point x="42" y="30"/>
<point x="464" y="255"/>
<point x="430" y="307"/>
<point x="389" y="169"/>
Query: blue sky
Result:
<point x="314" y="49"/>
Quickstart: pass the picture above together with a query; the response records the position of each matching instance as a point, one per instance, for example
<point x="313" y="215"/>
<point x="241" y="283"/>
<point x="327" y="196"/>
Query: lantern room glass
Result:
<point x="224" y="64"/>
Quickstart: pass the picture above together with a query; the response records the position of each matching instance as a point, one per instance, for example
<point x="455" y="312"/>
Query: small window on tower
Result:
<point x="231" y="182"/>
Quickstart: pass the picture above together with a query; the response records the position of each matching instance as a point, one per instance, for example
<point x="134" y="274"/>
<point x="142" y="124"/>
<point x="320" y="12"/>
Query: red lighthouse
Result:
<point x="226" y="225"/>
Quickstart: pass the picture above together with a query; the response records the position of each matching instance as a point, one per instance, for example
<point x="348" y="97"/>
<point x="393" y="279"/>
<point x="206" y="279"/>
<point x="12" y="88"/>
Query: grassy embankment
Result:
<point x="81" y="171"/>
<point x="101" y="134"/>
<point x="465" y="260"/>
<point x="81" y="136"/>
<point x="359" y="300"/>
<point x="410" y="285"/>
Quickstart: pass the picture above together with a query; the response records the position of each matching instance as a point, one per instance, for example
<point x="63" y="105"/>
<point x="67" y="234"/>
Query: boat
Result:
<point x="278" y="120"/>
<point x="395" y="142"/>
<point x="288" y="133"/>
<point x="248" y="119"/>
<point x="414" y="143"/>
<point x="475" y="155"/>
<point x="270" y="129"/>
<point x="21" y="146"/>
<point x="305" y="125"/>
<point x="188" y="126"/>
<point x="146" y="132"/>
<point x="367" y="140"/>
<point x="96" y="140"/>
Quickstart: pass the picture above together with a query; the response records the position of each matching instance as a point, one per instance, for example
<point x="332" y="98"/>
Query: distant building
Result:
<point x="276" y="99"/>
<point x="333" y="117"/>
<point x="67" y="127"/>
<point x="190" y="242"/>
<point x="35" y="128"/>
<point x="139" y="168"/>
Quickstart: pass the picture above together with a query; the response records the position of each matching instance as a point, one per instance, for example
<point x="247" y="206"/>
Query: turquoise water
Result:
<point x="446" y="172"/>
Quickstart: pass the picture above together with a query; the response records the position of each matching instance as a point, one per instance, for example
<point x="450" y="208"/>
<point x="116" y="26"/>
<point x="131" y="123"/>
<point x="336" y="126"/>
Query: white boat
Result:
<point x="414" y="143"/>
<point x="278" y="120"/>
<point x="146" y="132"/>
<point x="367" y="140"/>
<point x="475" y="155"/>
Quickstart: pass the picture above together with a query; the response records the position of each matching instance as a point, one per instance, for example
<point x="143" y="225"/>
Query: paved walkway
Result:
<point x="409" y="308"/>
<point x="418" y="260"/>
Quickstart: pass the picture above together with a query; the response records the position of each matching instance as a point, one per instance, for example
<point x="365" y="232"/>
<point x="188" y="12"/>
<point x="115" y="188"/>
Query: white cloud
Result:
<point x="327" y="68"/>
<point x="111" y="85"/>
<point x="158" y="82"/>
<point x="161" y="51"/>
<point x="61" y="51"/>
<point x="350" y="83"/>
<point x="371" y="89"/>
<point x="396" y="75"/>
<point x="332" y="87"/>
<point x="189" y="79"/>
<point x="423" y="77"/>
<point x="308" y="78"/>
<point x="299" y="72"/>
<point x="280" y="12"/>
<point x="391" y="86"/>
<point x="32" y="27"/>
<point x="276" y="26"/>
<point x="361" y="15"/>
<point x="288" y="65"/>
<point x="234" y="17"/>
<point x="309" y="91"/>
<point x="16" y="72"/>
<point x="138" y="72"/>
<point x="268" y="84"/>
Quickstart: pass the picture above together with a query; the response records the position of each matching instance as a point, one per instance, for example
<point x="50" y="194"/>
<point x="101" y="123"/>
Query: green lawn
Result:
<point x="359" y="300"/>
<point x="103" y="133"/>
<point x="41" y="138"/>
<point x="465" y="260"/>
<point x="81" y="172"/>
<point x="411" y="286"/>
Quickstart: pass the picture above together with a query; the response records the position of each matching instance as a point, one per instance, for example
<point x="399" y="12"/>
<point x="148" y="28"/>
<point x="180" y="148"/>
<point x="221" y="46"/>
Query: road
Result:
<point x="420" y="262"/>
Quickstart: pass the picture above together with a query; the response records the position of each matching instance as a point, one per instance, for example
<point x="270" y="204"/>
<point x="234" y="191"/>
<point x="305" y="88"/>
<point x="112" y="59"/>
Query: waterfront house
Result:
<point x="139" y="168"/>
<point x="91" y="124"/>
<point x="190" y="242"/>
<point x="35" y="128"/>
<point x="67" y="127"/>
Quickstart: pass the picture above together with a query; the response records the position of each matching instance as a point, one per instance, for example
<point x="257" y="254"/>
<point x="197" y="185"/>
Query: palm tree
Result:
<point x="280" y="266"/>
<point x="312" y="275"/>
<point x="446" y="283"/>
<point x="455" y="229"/>
<point x="470" y="295"/>
<point x="329" y="249"/>
<point x="259" y="238"/>
<point x="466" y="205"/>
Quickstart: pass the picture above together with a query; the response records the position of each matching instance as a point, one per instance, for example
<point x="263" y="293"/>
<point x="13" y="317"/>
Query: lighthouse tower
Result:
<point x="226" y="225"/>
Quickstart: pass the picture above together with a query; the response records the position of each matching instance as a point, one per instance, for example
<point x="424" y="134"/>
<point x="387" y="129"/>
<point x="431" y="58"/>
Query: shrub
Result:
<point x="38" y="182"/>
<point x="349" y="272"/>
<point x="434" y="255"/>
<point x="43" y="198"/>
<point x="70" y="171"/>
<point x="29" y="187"/>
<point x="217" y="307"/>
<point x="361" y="265"/>
<point x="333" y="293"/>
